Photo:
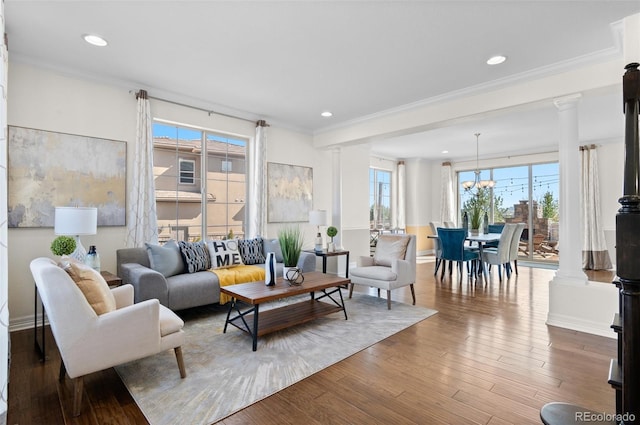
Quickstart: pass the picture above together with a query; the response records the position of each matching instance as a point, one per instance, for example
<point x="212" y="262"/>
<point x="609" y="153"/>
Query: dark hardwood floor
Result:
<point x="487" y="357"/>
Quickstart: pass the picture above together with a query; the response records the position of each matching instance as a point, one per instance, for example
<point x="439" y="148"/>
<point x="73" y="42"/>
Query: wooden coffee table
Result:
<point x="253" y="294"/>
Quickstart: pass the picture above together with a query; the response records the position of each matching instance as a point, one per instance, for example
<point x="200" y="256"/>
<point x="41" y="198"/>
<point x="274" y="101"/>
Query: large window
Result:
<point x="200" y="183"/>
<point x="522" y="194"/>
<point x="379" y="199"/>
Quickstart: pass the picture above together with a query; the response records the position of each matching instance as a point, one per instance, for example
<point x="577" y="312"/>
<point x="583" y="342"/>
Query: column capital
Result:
<point x="566" y="102"/>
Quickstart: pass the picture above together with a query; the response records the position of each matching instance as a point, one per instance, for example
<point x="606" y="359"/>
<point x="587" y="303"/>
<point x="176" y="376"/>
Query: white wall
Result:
<point x="286" y="147"/>
<point x="4" y="238"/>
<point x="46" y="100"/>
<point x="355" y="162"/>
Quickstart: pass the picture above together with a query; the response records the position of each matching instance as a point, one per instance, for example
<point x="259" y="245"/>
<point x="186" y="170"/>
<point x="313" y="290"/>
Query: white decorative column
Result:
<point x="574" y="302"/>
<point x="4" y="236"/>
<point x="570" y="266"/>
<point x="402" y="197"/>
<point x="336" y="194"/>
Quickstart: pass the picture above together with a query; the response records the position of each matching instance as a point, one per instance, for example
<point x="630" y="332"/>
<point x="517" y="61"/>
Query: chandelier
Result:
<point x="477" y="183"/>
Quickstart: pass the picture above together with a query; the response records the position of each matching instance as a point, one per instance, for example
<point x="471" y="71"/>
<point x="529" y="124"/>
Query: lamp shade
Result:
<point x="76" y="221"/>
<point x="318" y="217"/>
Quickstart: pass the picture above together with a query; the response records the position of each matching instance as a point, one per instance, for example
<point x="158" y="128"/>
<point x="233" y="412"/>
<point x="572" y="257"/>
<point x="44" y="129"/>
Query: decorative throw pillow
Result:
<point x="224" y="253"/>
<point x="195" y="256"/>
<point x="273" y="245"/>
<point x="251" y="250"/>
<point x="166" y="258"/>
<point x="93" y="286"/>
<point x="389" y="248"/>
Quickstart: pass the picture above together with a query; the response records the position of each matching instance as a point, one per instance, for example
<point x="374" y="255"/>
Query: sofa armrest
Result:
<point x="307" y="262"/>
<point x="405" y="271"/>
<point x="364" y="261"/>
<point x="147" y="283"/>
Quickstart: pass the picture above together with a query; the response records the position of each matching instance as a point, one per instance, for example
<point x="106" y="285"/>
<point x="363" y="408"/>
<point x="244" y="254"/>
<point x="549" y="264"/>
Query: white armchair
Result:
<point x="392" y="266"/>
<point x="89" y="342"/>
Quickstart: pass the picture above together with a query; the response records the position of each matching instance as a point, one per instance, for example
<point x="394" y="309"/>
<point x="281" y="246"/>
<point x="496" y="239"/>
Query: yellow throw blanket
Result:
<point x="237" y="274"/>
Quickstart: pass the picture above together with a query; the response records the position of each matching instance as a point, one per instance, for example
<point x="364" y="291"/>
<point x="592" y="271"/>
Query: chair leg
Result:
<point x="63" y="371"/>
<point x="500" y="272"/>
<point x="351" y="290"/>
<point x="413" y="294"/>
<point x="438" y="261"/>
<point x="78" y="385"/>
<point x="444" y="267"/>
<point x="515" y="265"/>
<point x="378" y="292"/>
<point x="179" y="358"/>
<point x="388" y="299"/>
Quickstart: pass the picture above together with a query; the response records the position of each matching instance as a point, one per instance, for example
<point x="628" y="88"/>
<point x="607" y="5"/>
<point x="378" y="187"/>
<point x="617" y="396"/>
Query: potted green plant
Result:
<point x="475" y="219"/>
<point x="63" y="245"/>
<point x="331" y="232"/>
<point x="291" y="240"/>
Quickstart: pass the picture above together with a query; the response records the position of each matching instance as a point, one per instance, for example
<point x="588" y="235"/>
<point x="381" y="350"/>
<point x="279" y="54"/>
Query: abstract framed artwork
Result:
<point x="290" y="193"/>
<point x="49" y="169"/>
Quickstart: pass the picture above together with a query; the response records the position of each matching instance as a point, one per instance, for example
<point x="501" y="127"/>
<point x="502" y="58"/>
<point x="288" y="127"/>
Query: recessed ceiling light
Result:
<point x="496" y="60"/>
<point x="327" y="114"/>
<point x="95" y="40"/>
<point x="445" y="151"/>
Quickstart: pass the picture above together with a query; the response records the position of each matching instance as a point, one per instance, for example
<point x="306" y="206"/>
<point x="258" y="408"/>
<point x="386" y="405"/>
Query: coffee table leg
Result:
<point x="342" y="302"/>
<point x="231" y="304"/>
<point x="255" y="327"/>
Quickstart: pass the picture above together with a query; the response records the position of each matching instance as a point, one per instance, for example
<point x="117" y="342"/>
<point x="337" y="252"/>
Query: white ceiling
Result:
<point x="287" y="61"/>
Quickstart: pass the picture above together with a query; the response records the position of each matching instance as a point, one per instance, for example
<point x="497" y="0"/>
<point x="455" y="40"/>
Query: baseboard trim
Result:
<point x="580" y="325"/>
<point x="25" y="322"/>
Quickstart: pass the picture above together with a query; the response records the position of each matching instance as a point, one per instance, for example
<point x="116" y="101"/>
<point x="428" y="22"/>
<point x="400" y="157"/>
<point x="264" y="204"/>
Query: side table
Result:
<point x="111" y="279"/>
<point x="324" y="254"/>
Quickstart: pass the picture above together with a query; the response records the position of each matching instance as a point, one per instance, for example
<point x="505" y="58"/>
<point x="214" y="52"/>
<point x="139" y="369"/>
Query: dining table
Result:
<point x="481" y="240"/>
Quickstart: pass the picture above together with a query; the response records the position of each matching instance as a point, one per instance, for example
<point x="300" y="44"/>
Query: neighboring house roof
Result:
<point x="182" y="196"/>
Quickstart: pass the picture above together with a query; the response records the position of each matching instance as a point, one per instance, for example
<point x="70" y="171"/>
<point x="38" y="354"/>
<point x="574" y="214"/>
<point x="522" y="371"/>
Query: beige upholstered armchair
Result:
<point x="101" y="329"/>
<point x="392" y="266"/>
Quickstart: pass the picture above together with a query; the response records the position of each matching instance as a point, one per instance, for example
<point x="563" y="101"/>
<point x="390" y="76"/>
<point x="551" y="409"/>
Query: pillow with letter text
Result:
<point x="224" y="253"/>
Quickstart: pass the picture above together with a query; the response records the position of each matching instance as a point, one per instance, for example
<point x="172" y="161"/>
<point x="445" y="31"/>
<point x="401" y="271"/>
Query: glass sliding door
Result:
<point x="545" y="188"/>
<point x="523" y="194"/>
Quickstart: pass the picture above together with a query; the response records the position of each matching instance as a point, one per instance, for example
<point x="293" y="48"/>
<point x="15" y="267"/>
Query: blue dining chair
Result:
<point x="453" y="249"/>
<point x="494" y="228"/>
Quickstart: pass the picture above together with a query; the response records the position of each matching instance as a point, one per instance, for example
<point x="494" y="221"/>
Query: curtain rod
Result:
<point x="587" y="147"/>
<point x="208" y="111"/>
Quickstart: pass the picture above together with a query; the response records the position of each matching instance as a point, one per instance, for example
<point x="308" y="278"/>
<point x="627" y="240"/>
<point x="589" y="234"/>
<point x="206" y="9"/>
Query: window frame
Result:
<point x="182" y="174"/>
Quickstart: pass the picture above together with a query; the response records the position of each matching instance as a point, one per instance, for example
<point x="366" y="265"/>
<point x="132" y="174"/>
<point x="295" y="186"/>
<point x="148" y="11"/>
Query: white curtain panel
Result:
<point x="447" y="194"/>
<point x="595" y="255"/>
<point x="402" y="196"/>
<point x="256" y="205"/>
<point x="141" y="209"/>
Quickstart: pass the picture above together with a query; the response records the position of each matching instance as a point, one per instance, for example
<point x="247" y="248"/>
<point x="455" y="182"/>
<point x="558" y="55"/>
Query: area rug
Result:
<point x="224" y="375"/>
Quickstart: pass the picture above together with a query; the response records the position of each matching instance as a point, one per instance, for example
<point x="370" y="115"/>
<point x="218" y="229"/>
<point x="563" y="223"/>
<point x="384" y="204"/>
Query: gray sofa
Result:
<point x="184" y="290"/>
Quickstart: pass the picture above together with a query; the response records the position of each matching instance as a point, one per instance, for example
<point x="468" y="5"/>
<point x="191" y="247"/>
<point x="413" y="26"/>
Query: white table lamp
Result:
<point x="76" y="221"/>
<point x="318" y="218"/>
